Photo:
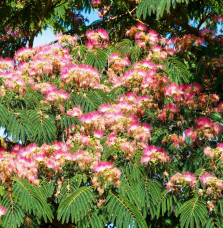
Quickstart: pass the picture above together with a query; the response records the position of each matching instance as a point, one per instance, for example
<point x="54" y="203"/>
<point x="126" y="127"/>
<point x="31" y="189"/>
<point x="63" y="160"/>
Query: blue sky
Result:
<point x="48" y="36"/>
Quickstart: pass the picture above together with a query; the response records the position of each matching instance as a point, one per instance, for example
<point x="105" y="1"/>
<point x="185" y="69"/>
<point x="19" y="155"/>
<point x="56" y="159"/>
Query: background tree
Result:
<point x="22" y="21"/>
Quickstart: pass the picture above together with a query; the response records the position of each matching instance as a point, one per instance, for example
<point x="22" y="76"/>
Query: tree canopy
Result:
<point x="23" y="20"/>
<point x="117" y="123"/>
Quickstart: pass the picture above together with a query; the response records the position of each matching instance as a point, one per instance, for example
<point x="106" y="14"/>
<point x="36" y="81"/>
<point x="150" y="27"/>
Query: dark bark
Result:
<point x="38" y="27"/>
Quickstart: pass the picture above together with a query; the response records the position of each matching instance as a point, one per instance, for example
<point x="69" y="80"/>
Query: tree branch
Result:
<point x="46" y="10"/>
<point x="184" y="25"/>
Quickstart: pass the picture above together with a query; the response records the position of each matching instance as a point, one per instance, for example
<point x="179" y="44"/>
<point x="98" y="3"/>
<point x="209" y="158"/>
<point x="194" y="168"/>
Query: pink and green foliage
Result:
<point x="105" y="135"/>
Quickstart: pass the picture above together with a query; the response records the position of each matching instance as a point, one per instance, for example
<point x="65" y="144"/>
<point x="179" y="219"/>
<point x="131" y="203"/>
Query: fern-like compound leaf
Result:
<point x="14" y="216"/>
<point x="193" y="213"/>
<point x="76" y="205"/>
<point x="177" y="71"/>
<point x="31" y="199"/>
<point x="124" y="213"/>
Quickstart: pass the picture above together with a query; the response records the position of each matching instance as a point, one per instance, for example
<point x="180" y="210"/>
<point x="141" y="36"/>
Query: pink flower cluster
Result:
<point x="57" y="96"/>
<point x="168" y="112"/>
<point x="159" y="47"/>
<point x="214" y="153"/>
<point x="97" y="39"/>
<point x="117" y="64"/>
<point x="6" y="64"/>
<point x="74" y="112"/>
<point x="175" y="140"/>
<point x="204" y="127"/>
<point x="52" y="94"/>
<point x="219" y="108"/>
<point x="213" y="185"/>
<point x="154" y="154"/>
<point x="83" y="76"/>
<point x="32" y="65"/>
<point x="118" y="122"/>
<point x="105" y="175"/>
<point x="24" y="54"/>
<point x="96" y="3"/>
<point x="67" y="39"/>
<point x="178" y="181"/>
<point x="146" y="77"/>
<point x="187" y="42"/>
<point x="24" y="162"/>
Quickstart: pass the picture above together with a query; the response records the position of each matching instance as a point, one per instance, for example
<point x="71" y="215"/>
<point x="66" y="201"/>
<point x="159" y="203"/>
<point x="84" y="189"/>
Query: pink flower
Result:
<point x="90" y="34"/>
<point x="108" y="108"/>
<point x="215" y="97"/>
<point x="175" y="180"/>
<point x="153" y="153"/>
<point x="39" y="157"/>
<point x="173" y="89"/>
<point x="58" y="95"/>
<point x="78" y="155"/>
<point x="156" y="48"/>
<point x="209" y="152"/>
<point x="209" y="191"/>
<point x="139" y="35"/>
<point x="141" y="27"/>
<point x="45" y="87"/>
<point x="104" y="35"/>
<point x="24" y="54"/>
<point x="217" y="128"/>
<point x="90" y="117"/>
<point x="219" y="184"/>
<point x="207" y="178"/>
<point x="101" y="166"/>
<point x="89" y="45"/>
<point x="76" y="111"/>
<point x="111" y="139"/>
<point x="220" y="146"/>
<point x="203" y="122"/>
<point x="169" y="185"/>
<point x="95" y="3"/>
<point x="200" y="192"/>
<point x="220" y="107"/>
<point x="3" y="210"/>
<point x="171" y="107"/>
<point x="152" y="37"/>
<point x="98" y="134"/>
<point x="190" y="177"/>
<point x="188" y="132"/>
<point x="28" y="150"/>
<point x="141" y="43"/>
<point x="113" y="56"/>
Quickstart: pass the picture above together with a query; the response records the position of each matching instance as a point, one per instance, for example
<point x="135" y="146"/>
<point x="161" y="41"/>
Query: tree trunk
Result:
<point x="38" y="27"/>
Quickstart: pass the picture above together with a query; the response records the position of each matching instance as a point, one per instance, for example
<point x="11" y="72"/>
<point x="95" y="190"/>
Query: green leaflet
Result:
<point x="193" y="212"/>
<point x="95" y="219"/>
<point x="43" y="125"/>
<point x="15" y="214"/>
<point x="177" y="71"/>
<point x="76" y="205"/>
<point x="123" y="212"/>
<point x="31" y="199"/>
<point x="97" y="59"/>
<point x="158" y="7"/>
